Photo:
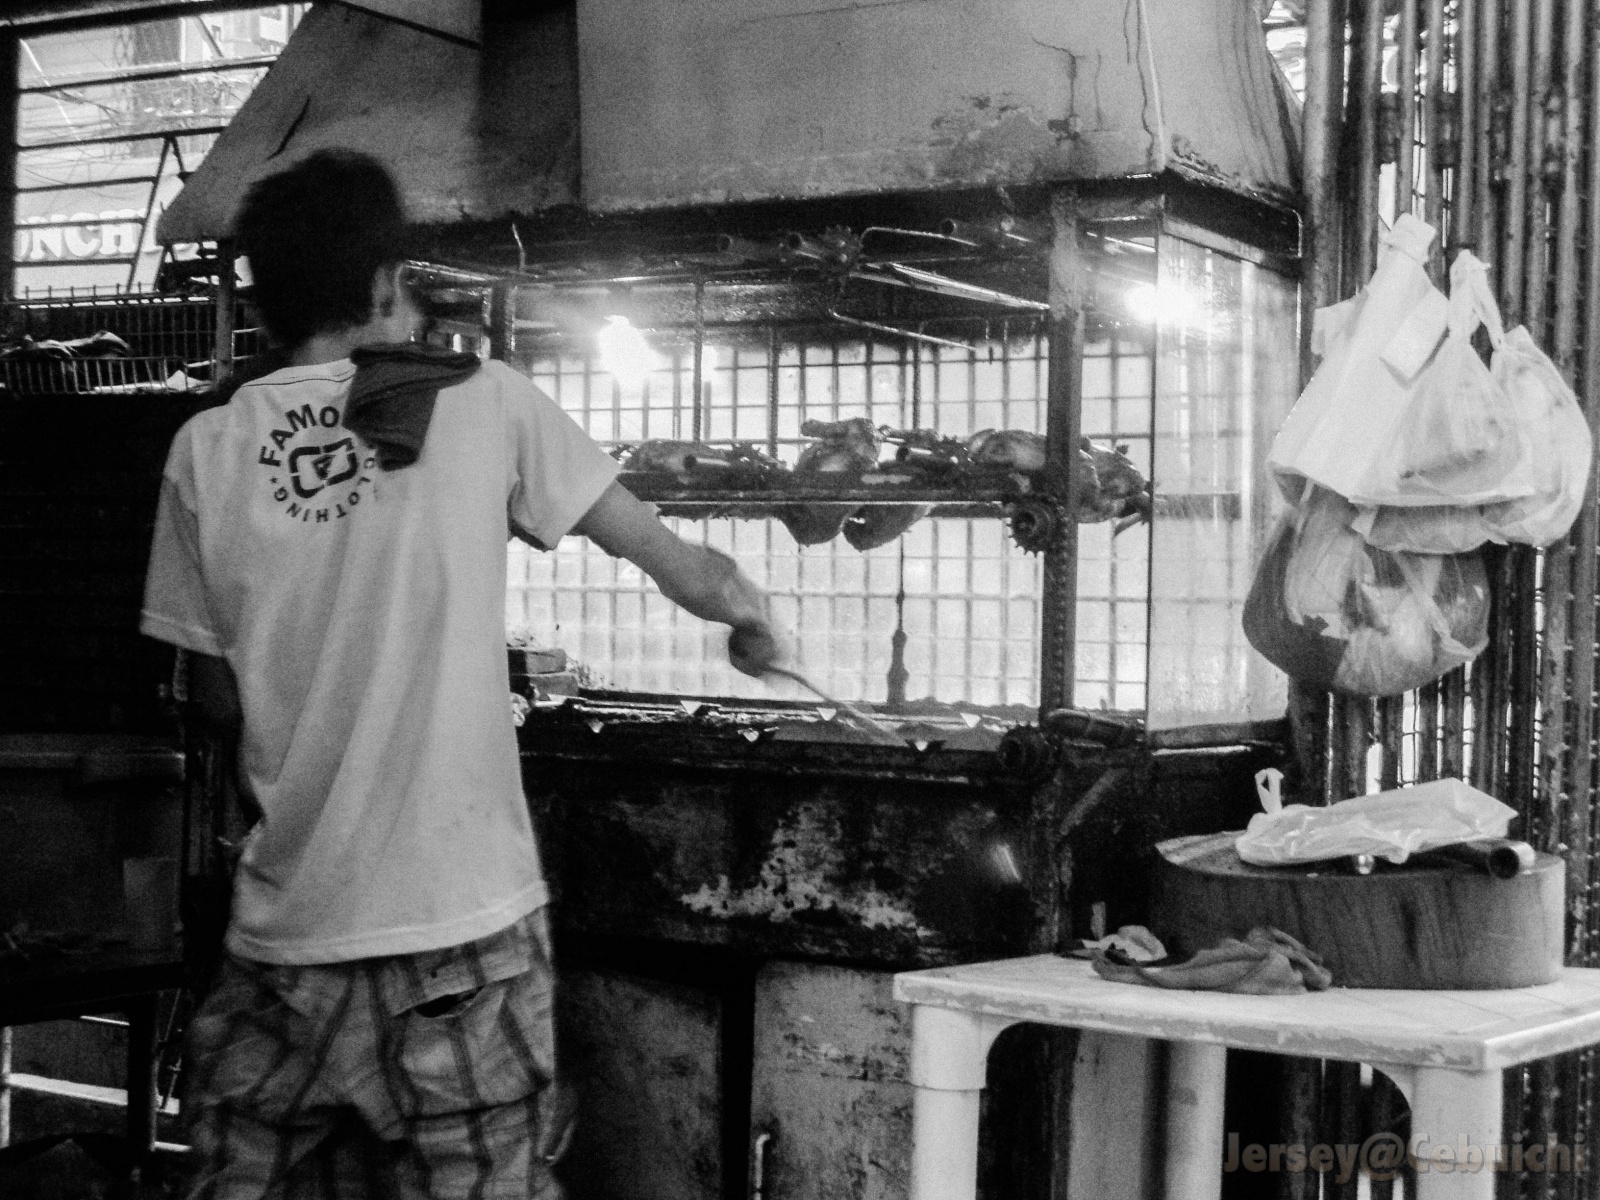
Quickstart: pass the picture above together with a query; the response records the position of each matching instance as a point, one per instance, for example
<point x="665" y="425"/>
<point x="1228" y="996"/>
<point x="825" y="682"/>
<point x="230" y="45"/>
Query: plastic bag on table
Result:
<point x="1391" y="825"/>
<point x="1337" y="614"/>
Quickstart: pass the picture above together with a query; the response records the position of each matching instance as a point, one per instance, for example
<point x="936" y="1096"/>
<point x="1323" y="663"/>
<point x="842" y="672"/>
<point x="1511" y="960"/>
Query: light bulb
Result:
<point x="624" y="353"/>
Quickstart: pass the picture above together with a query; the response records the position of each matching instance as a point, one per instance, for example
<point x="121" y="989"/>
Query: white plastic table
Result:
<point x="1445" y="1051"/>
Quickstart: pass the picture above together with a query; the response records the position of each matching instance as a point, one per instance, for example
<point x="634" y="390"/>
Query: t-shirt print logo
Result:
<point x="313" y="479"/>
<point x="312" y="468"/>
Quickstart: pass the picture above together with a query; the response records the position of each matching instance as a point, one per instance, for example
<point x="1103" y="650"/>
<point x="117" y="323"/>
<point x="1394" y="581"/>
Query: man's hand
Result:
<point x="701" y="580"/>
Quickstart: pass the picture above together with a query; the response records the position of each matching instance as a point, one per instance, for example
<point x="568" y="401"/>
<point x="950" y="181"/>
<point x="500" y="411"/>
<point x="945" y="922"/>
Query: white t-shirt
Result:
<point x="363" y="612"/>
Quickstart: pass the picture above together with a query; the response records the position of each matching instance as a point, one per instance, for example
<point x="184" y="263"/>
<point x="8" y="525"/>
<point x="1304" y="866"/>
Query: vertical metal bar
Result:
<point x="1463" y="198"/>
<point x="1513" y="241"/>
<point x="149" y="210"/>
<point x="1453" y="734"/>
<point x="226" y="306"/>
<point x="1063" y="427"/>
<point x="1391" y="711"/>
<point x="697" y="390"/>
<point x="1405" y="163"/>
<point x="1434" y="134"/>
<point x="10" y="48"/>
<point x="774" y="352"/>
<point x="1536" y="250"/>
<point x="1323" y="123"/>
<point x="502" y="320"/>
<point x="1368" y="70"/>
<point x="1428" y="739"/>
<point x="1488" y="102"/>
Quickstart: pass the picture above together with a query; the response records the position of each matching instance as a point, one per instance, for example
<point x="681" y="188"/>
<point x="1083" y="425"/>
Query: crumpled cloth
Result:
<point x="393" y="393"/>
<point x="1267" y="963"/>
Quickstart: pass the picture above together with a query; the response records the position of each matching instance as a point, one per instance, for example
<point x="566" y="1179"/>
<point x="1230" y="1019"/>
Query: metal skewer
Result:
<point x="881" y="732"/>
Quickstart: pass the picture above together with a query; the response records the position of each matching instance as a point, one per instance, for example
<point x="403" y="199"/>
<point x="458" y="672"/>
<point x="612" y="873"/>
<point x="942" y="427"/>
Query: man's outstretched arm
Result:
<point x="700" y="580"/>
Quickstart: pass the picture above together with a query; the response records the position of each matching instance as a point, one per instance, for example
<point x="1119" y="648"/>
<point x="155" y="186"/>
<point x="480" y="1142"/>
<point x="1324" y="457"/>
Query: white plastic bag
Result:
<point x="1391" y="825"/>
<point x="1556" y="427"/>
<point x="1373" y="347"/>
<point x="1402" y="411"/>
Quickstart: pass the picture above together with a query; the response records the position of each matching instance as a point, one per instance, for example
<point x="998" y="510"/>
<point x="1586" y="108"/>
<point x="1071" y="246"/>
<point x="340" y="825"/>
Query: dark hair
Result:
<point x="316" y="235"/>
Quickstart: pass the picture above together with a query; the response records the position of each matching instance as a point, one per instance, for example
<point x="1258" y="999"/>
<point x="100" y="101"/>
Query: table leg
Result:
<point x="949" y="1062"/>
<point x="142" y="1061"/>
<point x="1196" y="1079"/>
<point x="1455" y="1129"/>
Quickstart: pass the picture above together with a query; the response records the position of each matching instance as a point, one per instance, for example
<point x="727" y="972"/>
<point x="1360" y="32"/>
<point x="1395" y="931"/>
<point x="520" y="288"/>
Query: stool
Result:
<point x="1444" y="1050"/>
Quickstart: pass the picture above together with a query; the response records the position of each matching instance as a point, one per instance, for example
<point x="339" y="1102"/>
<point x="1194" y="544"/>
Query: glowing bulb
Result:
<point x="1166" y="304"/>
<point x="624" y="353"/>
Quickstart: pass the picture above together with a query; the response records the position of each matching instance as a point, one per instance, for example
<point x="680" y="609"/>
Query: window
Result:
<point x="949" y="612"/>
<point x="109" y="120"/>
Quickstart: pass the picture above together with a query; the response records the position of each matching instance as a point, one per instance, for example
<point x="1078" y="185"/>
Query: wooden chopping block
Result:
<point x="1434" y="925"/>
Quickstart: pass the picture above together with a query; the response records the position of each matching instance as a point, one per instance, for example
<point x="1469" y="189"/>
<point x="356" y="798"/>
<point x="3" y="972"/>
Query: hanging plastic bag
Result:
<point x="1338" y="614"/>
<point x="1373" y="346"/>
<point x="1461" y="442"/>
<point x="1391" y="825"/>
<point x="1555" y="424"/>
<point x="1403" y="412"/>
<point x="1551" y="426"/>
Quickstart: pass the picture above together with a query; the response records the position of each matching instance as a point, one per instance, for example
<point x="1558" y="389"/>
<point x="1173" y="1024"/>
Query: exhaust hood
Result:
<point x="732" y="101"/>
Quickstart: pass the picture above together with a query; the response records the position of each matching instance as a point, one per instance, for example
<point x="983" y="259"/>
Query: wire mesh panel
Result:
<point x="949" y="611"/>
<point x="72" y="344"/>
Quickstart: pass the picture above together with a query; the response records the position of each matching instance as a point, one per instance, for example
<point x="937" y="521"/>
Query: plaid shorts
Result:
<point x="427" y="1075"/>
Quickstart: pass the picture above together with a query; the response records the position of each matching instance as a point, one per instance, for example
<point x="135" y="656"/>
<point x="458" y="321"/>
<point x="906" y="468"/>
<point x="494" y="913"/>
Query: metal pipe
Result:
<point x="897" y="331"/>
<point x="1463" y="198"/>
<point x="1368" y="67"/>
<point x="1428" y="732"/>
<point x="1486" y="102"/>
<point x="943" y="285"/>
<point x="1406" y="63"/>
<point x="1069" y="287"/>
<point x="258" y="62"/>
<point x="1321" y="124"/>
<point x="1435" y="136"/>
<point x="1569" y="213"/>
<point x="1540" y="146"/>
<point x="1513" y="241"/>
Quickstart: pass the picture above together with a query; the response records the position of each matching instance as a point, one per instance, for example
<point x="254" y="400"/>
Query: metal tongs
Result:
<point x="880" y="733"/>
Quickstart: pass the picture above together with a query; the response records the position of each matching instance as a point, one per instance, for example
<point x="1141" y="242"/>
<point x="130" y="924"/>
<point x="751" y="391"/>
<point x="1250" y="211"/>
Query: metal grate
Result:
<point x="167" y="338"/>
<point x="966" y="599"/>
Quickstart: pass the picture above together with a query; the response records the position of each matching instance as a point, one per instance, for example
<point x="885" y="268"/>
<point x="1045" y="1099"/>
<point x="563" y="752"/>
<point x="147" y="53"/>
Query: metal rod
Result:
<point x="897" y="331"/>
<point x="227" y="292"/>
<point x="1536" y="250"/>
<point x="1569" y="212"/>
<point x="1486" y="101"/>
<point x="149" y="211"/>
<point x="1514" y="237"/>
<point x="1406" y="152"/>
<point x="1463" y="197"/>
<point x="1452" y="731"/>
<point x="258" y="62"/>
<point x="84" y="185"/>
<point x="1368" y="93"/>
<point x="1322" y="122"/>
<point x="946" y="286"/>
<point x="112" y="139"/>
<point x="1427" y="756"/>
<point x="1434" y="136"/>
<point x="1391" y="711"/>
<point x="1069" y="285"/>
